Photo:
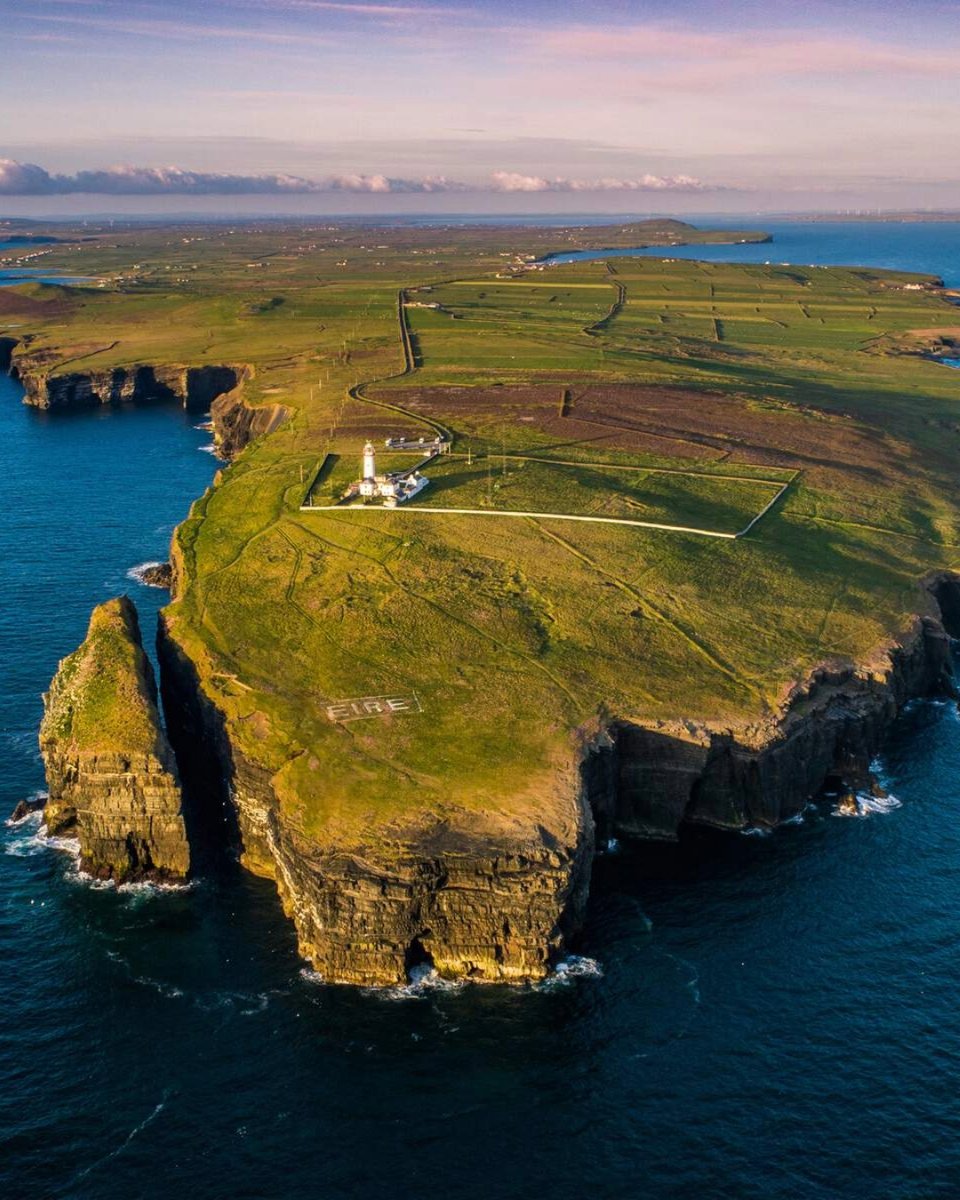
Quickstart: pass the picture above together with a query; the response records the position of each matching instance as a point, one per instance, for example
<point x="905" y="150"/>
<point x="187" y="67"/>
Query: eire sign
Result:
<point x="372" y="706"/>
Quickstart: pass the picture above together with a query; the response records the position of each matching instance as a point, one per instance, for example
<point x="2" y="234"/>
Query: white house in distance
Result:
<point x="392" y="489"/>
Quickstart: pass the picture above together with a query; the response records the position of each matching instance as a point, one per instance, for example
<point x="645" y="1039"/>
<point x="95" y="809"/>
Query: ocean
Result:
<point x="753" y="1018"/>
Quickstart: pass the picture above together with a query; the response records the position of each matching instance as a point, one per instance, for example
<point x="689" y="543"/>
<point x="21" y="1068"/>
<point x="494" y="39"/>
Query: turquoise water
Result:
<point x="752" y="1018"/>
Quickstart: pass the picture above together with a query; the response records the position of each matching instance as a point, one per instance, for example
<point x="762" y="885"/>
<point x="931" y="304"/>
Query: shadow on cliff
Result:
<point x="650" y="784"/>
<point x="199" y="740"/>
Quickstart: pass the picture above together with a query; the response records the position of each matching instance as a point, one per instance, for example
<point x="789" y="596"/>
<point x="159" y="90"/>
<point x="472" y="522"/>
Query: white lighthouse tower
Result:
<point x="392" y="488"/>
<point x="369" y="462"/>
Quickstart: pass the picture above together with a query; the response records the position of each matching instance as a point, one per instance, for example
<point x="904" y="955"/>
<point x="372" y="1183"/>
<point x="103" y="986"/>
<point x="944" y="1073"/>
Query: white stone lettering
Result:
<point x="372" y="706"/>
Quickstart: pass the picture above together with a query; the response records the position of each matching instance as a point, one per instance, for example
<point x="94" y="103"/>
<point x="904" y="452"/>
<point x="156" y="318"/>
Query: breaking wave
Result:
<point x="138" y="572"/>
<point x="423" y="982"/>
<point x="867" y="805"/>
<point x="568" y="970"/>
<point x="31" y="838"/>
<point x="31" y="817"/>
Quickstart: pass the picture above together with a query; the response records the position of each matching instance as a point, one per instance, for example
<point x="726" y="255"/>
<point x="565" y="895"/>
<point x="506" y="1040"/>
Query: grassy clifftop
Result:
<point x="103" y="699"/>
<point x="513" y="634"/>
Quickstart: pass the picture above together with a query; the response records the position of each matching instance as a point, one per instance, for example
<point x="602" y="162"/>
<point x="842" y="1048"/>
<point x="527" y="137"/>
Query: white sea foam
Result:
<point x="800" y="817"/>
<point x="257" y="1004"/>
<point x="67" y="845"/>
<point x="148" y="1120"/>
<point x="206" y="426"/>
<point x="208" y="448"/>
<point x="35" y="840"/>
<point x="165" y="989"/>
<point x="577" y="966"/>
<point x="149" y="888"/>
<point x="761" y="831"/>
<point x="568" y="971"/>
<point x="868" y="805"/>
<point x="26" y="842"/>
<point x="31" y="818"/>
<point x="140" y="570"/>
<point x="310" y="976"/>
<point x="423" y="982"/>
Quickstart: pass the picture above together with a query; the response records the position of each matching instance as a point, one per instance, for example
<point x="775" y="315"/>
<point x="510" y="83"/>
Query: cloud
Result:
<point x="23" y="179"/>
<point x="383" y="183"/>
<point x="28" y="179"/>
<point x="512" y="181"/>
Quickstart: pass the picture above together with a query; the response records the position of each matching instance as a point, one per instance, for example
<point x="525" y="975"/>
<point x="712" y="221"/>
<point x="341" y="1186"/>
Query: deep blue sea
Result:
<point x="753" y="1018"/>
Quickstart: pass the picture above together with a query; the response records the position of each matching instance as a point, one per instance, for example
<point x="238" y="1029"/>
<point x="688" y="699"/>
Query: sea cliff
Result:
<point x="829" y="729"/>
<point x="112" y="777"/>
<point x="475" y="899"/>
<point x="471" y="896"/>
<point x="214" y="389"/>
<point x="236" y="423"/>
<point x="195" y="388"/>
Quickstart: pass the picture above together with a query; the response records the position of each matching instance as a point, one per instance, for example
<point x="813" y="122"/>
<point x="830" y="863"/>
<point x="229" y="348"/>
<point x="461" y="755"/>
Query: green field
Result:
<point x="674" y="392"/>
<point x="506" y="483"/>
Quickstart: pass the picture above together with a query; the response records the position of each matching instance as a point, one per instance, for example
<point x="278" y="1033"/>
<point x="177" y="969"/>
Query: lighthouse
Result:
<point x="392" y="488"/>
<point x="369" y="462"/>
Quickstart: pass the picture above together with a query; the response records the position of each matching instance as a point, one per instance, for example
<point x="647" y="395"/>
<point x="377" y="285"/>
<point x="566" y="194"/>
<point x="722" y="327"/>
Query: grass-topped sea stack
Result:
<point x="110" y="770"/>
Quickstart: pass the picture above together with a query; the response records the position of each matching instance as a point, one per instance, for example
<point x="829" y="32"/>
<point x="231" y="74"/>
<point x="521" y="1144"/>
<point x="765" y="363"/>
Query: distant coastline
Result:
<point x="899" y="218"/>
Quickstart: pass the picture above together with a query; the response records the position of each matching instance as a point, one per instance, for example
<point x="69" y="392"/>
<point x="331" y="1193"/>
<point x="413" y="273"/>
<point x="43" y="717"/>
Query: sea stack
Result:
<point x="111" y="773"/>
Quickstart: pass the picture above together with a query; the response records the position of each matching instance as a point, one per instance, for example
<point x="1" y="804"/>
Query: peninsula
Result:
<point x="690" y="545"/>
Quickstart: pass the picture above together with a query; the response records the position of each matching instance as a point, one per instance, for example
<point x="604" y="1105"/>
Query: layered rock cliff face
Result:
<point x="217" y="389"/>
<point x="466" y="897"/>
<point x="831" y="727"/>
<point x="235" y="423"/>
<point x="195" y="388"/>
<point x="494" y="904"/>
<point x="111" y="773"/>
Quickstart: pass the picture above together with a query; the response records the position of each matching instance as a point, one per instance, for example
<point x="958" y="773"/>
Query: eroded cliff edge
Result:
<point x="111" y="774"/>
<point x="827" y="732"/>
<point x="195" y="388"/>
<point x="218" y="390"/>
<point x="470" y="895"/>
<point x="479" y="899"/>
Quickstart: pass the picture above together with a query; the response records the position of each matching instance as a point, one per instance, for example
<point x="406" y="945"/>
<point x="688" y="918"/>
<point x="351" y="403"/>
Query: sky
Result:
<point x="350" y="106"/>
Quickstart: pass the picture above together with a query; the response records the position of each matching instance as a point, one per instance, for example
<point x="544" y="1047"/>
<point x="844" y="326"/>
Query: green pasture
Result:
<point x="526" y="485"/>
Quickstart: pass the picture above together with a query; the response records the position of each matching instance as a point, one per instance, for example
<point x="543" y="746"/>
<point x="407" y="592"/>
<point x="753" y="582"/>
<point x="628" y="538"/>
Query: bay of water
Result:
<point x="932" y="248"/>
<point x="753" y="1018"/>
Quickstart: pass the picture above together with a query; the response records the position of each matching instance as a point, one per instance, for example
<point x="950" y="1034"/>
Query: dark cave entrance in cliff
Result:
<point x="417" y="960"/>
